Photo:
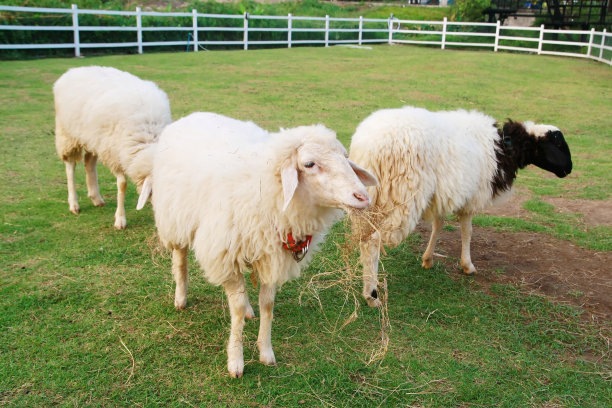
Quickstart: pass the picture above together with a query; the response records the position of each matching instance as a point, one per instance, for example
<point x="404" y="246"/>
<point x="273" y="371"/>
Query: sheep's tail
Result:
<point x="140" y="169"/>
<point x="145" y="192"/>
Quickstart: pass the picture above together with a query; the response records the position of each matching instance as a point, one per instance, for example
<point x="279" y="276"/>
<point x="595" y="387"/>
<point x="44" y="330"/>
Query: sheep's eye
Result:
<point x="556" y="137"/>
<point x="309" y="164"/>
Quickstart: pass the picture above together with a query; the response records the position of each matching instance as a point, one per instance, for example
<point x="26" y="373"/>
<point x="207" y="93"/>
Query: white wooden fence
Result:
<point x="498" y="37"/>
<point x="391" y="30"/>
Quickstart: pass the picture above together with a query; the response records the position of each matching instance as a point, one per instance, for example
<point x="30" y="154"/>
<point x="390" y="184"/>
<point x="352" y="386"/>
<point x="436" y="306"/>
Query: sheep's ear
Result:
<point x="289" y="179"/>
<point x="145" y="192"/>
<point x="367" y="178"/>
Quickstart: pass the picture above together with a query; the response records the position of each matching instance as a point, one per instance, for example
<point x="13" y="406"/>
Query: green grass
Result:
<point x="86" y="312"/>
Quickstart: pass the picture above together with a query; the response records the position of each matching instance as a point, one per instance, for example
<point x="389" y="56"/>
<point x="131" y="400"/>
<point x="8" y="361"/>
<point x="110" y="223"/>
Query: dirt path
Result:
<point x="536" y="262"/>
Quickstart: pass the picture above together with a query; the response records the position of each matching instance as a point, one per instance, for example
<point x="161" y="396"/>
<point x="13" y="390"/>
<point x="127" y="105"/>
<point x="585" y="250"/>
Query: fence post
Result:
<point x="390" y="24"/>
<point x="289" y="26"/>
<point x="603" y="42"/>
<point x="194" y="12"/>
<point x="541" y="41"/>
<point x="139" y="29"/>
<point x="443" y="32"/>
<point x="327" y="30"/>
<point x="497" y="29"/>
<point x="591" y="42"/>
<point x="360" y="29"/>
<point x="75" y="28"/>
<point x="246" y="31"/>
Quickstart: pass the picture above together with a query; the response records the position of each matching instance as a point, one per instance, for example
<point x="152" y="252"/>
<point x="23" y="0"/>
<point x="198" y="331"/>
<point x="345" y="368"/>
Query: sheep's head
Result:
<point x="552" y="152"/>
<point x="319" y="172"/>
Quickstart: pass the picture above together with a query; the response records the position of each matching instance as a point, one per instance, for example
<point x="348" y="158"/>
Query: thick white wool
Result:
<point x="110" y="113"/>
<point x="428" y="164"/>
<point x="217" y="189"/>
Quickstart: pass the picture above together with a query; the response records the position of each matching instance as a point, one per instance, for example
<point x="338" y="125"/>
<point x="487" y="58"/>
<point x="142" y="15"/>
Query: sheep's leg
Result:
<point x="91" y="176"/>
<point x="180" y="273"/>
<point x="250" y="313"/>
<point x="436" y="227"/>
<point x="266" y="312"/>
<point x="236" y="297"/>
<point x="466" y="237"/>
<point x="73" y="198"/>
<point x="120" y="221"/>
<point x="370" y="252"/>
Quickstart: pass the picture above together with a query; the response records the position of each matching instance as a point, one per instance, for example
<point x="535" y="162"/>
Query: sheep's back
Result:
<point x="427" y="163"/>
<point x="109" y="111"/>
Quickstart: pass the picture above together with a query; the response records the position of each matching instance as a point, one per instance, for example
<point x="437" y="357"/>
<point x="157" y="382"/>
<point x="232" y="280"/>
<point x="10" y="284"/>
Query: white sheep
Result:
<point x="240" y="196"/>
<point x="430" y="164"/>
<point x="111" y="115"/>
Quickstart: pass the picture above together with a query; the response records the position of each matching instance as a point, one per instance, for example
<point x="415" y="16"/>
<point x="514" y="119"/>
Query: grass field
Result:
<point x="86" y="312"/>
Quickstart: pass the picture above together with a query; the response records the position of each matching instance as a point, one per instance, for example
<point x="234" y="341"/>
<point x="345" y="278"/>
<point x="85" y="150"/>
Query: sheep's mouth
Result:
<point x="563" y="173"/>
<point x="358" y="206"/>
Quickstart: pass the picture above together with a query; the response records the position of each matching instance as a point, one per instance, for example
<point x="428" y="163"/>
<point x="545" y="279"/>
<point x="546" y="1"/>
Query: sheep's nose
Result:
<point x="361" y="197"/>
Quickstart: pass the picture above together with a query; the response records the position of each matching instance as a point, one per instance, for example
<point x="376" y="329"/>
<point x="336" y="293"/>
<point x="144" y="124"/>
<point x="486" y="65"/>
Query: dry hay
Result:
<point x="341" y="271"/>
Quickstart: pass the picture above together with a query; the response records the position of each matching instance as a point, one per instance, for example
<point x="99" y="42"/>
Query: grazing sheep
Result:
<point x="244" y="198"/>
<point x="111" y="115"/>
<point x="430" y="164"/>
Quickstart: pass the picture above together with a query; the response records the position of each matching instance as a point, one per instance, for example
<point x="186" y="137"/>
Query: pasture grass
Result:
<point x="86" y="312"/>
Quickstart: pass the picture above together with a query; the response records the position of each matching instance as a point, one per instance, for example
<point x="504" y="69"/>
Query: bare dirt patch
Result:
<point x="536" y="263"/>
<point x="594" y="212"/>
<point x="513" y="207"/>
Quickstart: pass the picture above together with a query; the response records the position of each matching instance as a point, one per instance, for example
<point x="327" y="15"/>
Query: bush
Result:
<point x="469" y="10"/>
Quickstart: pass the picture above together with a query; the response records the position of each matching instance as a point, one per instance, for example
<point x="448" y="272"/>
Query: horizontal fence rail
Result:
<point x="244" y="30"/>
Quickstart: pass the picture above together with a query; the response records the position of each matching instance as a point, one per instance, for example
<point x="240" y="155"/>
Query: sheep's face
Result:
<point x="322" y="175"/>
<point x="552" y="152"/>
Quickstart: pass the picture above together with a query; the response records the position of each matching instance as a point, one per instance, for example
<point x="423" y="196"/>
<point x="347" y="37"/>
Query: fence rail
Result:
<point x="327" y="31"/>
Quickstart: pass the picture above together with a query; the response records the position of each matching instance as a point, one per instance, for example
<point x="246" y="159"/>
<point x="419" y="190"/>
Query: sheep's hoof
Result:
<point x="373" y="302"/>
<point x="120" y="223"/>
<point x="180" y="304"/>
<point x="235" y="368"/>
<point x="427" y="263"/>
<point x="75" y="210"/>
<point x="372" y="299"/>
<point x="469" y="270"/>
<point x="267" y="357"/>
<point x="249" y="314"/>
<point x="235" y="374"/>
<point x="97" y="201"/>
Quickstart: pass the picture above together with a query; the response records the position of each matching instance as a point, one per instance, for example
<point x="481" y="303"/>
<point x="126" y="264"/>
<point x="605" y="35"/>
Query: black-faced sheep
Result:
<point x="430" y="164"/>
<point x="244" y="198"/>
<point x="113" y="116"/>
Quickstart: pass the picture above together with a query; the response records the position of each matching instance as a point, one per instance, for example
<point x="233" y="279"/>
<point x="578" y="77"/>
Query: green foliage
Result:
<point x="82" y="4"/>
<point x="86" y="312"/>
<point x="469" y="10"/>
<point x="407" y="13"/>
